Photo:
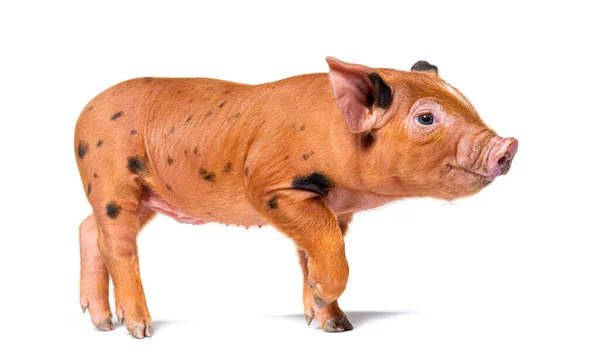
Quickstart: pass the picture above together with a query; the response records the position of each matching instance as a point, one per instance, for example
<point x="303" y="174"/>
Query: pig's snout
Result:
<point x="501" y="155"/>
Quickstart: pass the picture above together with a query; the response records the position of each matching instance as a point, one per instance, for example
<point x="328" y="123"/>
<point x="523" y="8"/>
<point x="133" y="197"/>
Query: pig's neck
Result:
<point x="358" y="186"/>
<point x="360" y="183"/>
<point x="342" y="200"/>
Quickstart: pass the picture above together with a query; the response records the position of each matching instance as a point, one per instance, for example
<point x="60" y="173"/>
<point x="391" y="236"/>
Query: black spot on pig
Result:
<point x="178" y="92"/>
<point x="189" y="119"/>
<point x="208" y="176"/>
<point x="116" y="115"/>
<point x="90" y="108"/>
<point x="424" y="66"/>
<point x="246" y="171"/>
<point x="237" y="115"/>
<point x="272" y="203"/>
<point x="147" y="79"/>
<point x="172" y="130"/>
<point x="195" y="150"/>
<point x="82" y="148"/>
<point x="113" y="210"/>
<point x="315" y="182"/>
<point x="222" y="104"/>
<point x="136" y="165"/>
<point x="99" y="144"/>
<point x="382" y="93"/>
<point x="228" y="167"/>
<point x="208" y="114"/>
<point x="89" y="189"/>
<point x="133" y="132"/>
<point x="95" y="175"/>
<point x="169" y="160"/>
<point x="169" y="187"/>
<point x="305" y="156"/>
<point x="302" y="128"/>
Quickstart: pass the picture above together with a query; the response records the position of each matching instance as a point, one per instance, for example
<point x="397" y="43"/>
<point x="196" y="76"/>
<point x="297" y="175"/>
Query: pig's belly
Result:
<point x="339" y="200"/>
<point x="154" y="202"/>
<point x="158" y="204"/>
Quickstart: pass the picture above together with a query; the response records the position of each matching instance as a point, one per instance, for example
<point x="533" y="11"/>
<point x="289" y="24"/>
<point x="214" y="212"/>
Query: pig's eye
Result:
<point x="425" y="119"/>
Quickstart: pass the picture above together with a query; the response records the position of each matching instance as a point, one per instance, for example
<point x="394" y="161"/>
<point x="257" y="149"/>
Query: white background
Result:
<point x="510" y="275"/>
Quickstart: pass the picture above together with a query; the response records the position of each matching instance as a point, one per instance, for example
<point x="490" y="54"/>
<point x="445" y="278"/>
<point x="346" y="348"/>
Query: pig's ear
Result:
<point x="360" y="93"/>
<point x="424" y="66"/>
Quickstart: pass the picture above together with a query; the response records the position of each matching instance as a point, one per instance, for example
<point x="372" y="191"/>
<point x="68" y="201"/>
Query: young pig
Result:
<point x="302" y="154"/>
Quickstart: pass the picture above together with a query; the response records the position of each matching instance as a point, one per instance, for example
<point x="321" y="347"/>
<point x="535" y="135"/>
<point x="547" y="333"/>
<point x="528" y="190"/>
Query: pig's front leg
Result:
<point x="330" y="317"/>
<point x="316" y="232"/>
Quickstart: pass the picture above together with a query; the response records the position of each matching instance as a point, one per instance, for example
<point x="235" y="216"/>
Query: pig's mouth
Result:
<point x="481" y="179"/>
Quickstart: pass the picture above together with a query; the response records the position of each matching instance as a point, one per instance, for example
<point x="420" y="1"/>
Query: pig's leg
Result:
<point x="93" y="282"/>
<point x="330" y="317"/>
<point x="315" y="230"/>
<point x="117" y="209"/>
<point x="117" y="244"/>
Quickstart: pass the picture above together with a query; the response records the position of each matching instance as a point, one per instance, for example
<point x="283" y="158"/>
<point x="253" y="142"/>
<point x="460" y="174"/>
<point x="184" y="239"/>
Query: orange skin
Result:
<point x="203" y="150"/>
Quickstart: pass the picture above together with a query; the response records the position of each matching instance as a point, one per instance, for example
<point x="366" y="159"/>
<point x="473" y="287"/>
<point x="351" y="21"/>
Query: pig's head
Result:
<point x="418" y="136"/>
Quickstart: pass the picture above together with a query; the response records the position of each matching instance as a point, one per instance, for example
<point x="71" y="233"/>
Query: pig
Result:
<point x="302" y="154"/>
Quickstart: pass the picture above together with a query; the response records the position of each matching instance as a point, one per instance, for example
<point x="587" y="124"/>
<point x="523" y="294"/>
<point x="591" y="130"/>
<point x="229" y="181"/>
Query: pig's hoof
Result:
<point x="330" y="317"/>
<point x="140" y="331"/>
<point x="337" y="325"/>
<point x="136" y="318"/>
<point x="105" y="325"/>
<point x="308" y="319"/>
<point x="101" y="317"/>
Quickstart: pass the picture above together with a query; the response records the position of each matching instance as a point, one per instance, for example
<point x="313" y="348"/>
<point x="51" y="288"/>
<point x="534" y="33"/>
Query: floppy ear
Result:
<point x="424" y="66"/>
<point x="360" y="92"/>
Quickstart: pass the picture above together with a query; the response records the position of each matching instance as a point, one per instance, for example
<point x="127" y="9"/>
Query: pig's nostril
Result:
<point x="503" y="151"/>
<point x="503" y="164"/>
<point x="502" y="161"/>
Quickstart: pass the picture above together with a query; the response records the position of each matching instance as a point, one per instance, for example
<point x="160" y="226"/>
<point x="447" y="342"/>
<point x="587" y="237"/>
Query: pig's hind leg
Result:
<point x="118" y="221"/>
<point x="94" y="278"/>
<point x="112" y="163"/>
